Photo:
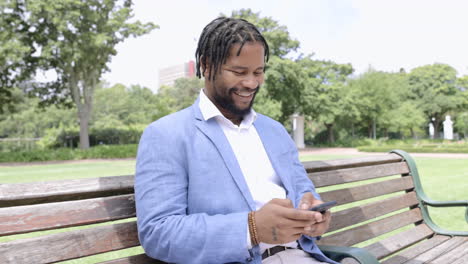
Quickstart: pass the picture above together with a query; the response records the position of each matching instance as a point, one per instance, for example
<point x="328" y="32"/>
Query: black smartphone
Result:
<point x="322" y="208"/>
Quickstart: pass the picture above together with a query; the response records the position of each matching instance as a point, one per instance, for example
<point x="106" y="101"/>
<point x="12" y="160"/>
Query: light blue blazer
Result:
<point x="191" y="198"/>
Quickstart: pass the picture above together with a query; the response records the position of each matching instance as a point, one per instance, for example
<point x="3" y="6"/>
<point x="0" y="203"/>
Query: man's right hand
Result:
<point x="278" y="222"/>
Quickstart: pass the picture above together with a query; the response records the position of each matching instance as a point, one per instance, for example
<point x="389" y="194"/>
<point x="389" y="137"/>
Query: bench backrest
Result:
<point x="379" y="206"/>
<point x="99" y="203"/>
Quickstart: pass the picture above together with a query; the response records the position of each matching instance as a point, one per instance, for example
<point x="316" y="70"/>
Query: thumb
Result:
<point x="307" y="201"/>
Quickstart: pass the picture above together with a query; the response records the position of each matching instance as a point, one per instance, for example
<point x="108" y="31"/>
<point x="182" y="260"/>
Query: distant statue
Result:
<point x="298" y="130"/>
<point x="431" y="131"/>
<point x="448" y="128"/>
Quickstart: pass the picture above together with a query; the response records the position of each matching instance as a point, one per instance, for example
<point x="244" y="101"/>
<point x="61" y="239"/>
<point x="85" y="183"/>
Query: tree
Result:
<point x="375" y="94"/>
<point x="277" y="36"/>
<point x="405" y="119"/>
<point x="182" y="94"/>
<point x="78" y="40"/>
<point x="324" y="95"/>
<point x="121" y="106"/>
<point x="434" y="88"/>
<point x="31" y="121"/>
<point x="285" y="84"/>
<point x="17" y="62"/>
<point x="461" y="124"/>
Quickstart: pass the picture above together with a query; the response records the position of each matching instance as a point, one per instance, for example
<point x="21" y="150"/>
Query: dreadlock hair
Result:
<point x="218" y="37"/>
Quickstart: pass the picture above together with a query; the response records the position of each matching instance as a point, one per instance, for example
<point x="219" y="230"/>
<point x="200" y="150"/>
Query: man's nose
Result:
<point x="250" y="83"/>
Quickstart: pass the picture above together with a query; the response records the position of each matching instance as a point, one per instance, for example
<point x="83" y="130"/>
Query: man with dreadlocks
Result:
<point x="219" y="183"/>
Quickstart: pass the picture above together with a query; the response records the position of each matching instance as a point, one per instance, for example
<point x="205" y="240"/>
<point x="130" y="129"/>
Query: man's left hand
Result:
<point x="322" y="221"/>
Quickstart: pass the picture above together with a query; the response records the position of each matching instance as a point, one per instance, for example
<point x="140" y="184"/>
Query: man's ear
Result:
<point x="205" y="67"/>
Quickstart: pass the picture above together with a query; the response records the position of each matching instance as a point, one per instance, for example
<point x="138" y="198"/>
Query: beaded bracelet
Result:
<point x="253" y="229"/>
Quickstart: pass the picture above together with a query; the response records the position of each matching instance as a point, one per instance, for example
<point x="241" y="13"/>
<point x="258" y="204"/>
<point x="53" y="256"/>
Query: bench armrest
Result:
<point x="425" y="201"/>
<point x="338" y="253"/>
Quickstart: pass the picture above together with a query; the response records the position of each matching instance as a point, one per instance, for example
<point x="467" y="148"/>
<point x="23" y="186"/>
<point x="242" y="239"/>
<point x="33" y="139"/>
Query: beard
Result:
<point x="227" y="103"/>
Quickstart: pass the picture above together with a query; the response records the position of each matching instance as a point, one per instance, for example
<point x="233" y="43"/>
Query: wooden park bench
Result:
<point x="395" y="220"/>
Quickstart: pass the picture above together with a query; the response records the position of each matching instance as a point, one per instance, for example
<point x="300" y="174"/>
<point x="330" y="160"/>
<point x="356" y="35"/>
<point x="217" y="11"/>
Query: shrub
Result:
<point x="70" y="137"/>
<point x="412" y="149"/>
<point x="97" y="152"/>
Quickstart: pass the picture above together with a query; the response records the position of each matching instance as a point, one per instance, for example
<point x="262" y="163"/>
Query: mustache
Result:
<point x="237" y="90"/>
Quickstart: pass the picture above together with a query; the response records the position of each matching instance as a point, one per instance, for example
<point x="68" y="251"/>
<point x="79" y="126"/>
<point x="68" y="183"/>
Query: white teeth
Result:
<point x="245" y="94"/>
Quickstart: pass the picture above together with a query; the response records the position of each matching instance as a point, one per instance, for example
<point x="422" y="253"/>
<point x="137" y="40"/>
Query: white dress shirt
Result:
<point x="263" y="182"/>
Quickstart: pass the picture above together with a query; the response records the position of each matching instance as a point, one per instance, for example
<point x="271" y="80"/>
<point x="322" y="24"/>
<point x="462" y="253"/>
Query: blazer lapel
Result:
<point x="274" y="152"/>
<point x="215" y="133"/>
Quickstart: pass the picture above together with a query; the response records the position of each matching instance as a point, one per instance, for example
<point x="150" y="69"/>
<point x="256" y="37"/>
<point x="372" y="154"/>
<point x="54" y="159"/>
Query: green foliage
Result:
<point x="277" y="36"/>
<point x="182" y="94"/>
<point x="118" y="106"/>
<point x="120" y="116"/>
<point x="434" y="88"/>
<point x="414" y="149"/>
<point x="406" y="118"/>
<point x="284" y="84"/>
<point x="76" y="39"/>
<point x="324" y="96"/>
<point x="461" y="124"/>
<point x="267" y="106"/>
<point x="31" y="121"/>
<point x="69" y="137"/>
<point x="97" y="152"/>
<point x="321" y="140"/>
<point x="17" y="63"/>
<point x="417" y="146"/>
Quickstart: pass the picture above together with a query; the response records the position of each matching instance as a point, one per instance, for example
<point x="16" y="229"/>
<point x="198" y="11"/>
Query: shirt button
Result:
<point x="249" y="259"/>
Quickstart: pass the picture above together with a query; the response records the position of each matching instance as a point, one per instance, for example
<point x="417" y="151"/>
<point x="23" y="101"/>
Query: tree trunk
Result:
<point x="436" y="129"/>
<point x="374" y="129"/>
<point x="369" y="130"/>
<point x="82" y="86"/>
<point x="413" y="135"/>
<point x="331" y="136"/>
<point x="83" y="115"/>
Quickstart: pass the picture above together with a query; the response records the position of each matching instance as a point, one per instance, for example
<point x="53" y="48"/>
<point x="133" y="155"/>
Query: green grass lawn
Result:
<point x="442" y="179"/>
<point x="63" y="171"/>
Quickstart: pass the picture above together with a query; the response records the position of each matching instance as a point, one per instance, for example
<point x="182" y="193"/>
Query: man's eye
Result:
<point x="237" y="73"/>
<point x="258" y="73"/>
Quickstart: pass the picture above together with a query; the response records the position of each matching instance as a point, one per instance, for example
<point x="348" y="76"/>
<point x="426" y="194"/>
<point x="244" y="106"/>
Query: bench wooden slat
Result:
<point x="315" y="166"/>
<point x="444" y="248"/>
<point x="393" y="244"/>
<point x="353" y="194"/>
<point x="457" y="249"/>
<point x="137" y="259"/>
<point x="327" y="178"/>
<point x="64" y="190"/>
<point x="404" y="256"/>
<point x="69" y="245"/>
<point x="461" y="260"/>
<point x="373" y="229"/>
<point x="24" y="219"/>
<point x="359" y="214"/>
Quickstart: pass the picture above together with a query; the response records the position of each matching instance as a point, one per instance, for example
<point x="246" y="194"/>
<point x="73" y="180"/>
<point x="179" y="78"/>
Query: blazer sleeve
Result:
<point x="165" y="230"/>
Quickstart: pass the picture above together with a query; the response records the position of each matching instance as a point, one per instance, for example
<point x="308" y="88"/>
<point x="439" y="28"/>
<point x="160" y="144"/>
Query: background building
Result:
<point x="168" y="75"/>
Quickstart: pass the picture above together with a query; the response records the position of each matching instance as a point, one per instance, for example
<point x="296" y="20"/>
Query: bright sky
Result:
<point x="387" y="34"/>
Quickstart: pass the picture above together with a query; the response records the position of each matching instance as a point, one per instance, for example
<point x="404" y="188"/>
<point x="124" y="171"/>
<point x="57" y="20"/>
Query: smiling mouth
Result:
<point x="245" y="93"/>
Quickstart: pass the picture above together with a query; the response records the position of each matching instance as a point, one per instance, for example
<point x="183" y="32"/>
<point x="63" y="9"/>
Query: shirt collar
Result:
<point x="209" y="110"/>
